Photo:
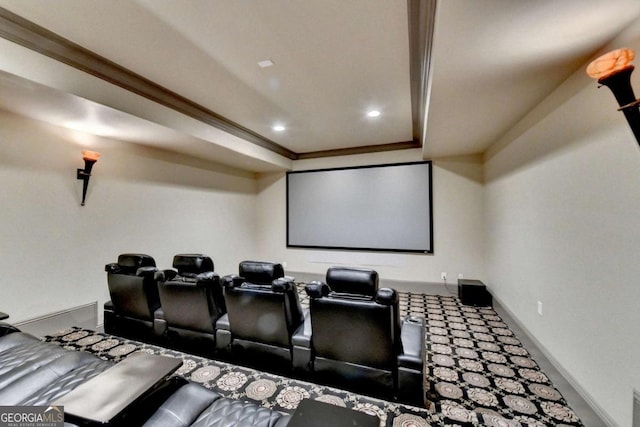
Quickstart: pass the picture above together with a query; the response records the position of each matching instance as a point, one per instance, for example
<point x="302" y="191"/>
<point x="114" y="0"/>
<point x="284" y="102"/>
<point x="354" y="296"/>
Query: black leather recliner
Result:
<point x="358" y="340"/>
<point x="134" y="298"/>
<point x="192" y="301"/>
<point x="263" y="312"/>
<point x="193" y="405"/>
<point x="33" y="372"/>
<point x="38" y="373"/>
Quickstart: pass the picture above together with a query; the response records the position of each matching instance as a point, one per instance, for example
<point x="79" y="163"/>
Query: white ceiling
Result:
<point x="492" y="61"/>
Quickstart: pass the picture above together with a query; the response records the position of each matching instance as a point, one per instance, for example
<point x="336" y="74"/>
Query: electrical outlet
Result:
<point x="443" y="275"/>
<point x="284" y="264"/>
<point x="460" y="276"/>
<point x="540" y="308"/>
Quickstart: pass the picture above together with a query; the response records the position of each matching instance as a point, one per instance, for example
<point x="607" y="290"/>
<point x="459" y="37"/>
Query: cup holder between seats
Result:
<point x="414" y="319"/>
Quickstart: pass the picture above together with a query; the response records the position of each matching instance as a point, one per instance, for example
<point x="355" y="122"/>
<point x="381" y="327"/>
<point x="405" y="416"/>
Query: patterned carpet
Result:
<point x="477" y="374"/>
<point x="271" y="391"/>
<point x="478" y="371"/>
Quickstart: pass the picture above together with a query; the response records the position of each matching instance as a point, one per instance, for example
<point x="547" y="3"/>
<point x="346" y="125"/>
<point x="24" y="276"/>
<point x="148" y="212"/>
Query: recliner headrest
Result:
<point x="317" y="289"/>
<point x="347" y="280"/>
<point x="260" y="273"/>
<point x="130" y="263"/>
<point x="190" y="265"/>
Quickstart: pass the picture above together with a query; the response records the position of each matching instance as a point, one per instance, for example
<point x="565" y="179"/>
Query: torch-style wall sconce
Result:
<point x="89" y="157"/>
<point x="614" y="70"/>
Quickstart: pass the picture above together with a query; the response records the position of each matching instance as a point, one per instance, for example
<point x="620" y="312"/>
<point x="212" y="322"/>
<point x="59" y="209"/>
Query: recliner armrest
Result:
<point x="183" y="407"/>
<point x="232" y="280"/>
<point x="302" y="336"/>
<point x="146" y="271"/>
<point x="207" y="279"/>
<point x="164" y="275"/>
<point x="223" y="333"/>
<point x="282" y="284"/>
<point x="317" y="289"/>
<point x="411" y="361"/>
<point x="6" y="329"/>
<point x="159" y="323"/>
<point x="223" y="323"/>
<point x="112" y="267"/>
<point x="301" y="345"/>
<point x="413" y="346"/>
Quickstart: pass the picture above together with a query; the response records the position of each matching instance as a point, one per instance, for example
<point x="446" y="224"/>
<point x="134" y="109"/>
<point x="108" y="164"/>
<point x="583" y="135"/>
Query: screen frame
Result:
<point x="429" y="251"/>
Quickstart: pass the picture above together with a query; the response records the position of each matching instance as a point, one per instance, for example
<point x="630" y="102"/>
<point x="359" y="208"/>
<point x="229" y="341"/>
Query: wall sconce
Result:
<point x="89" y="157"/>
<point x="614" y="70"/>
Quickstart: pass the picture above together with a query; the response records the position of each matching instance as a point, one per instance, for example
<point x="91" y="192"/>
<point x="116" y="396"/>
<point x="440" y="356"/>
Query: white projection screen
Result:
<point x="368" y="208"/>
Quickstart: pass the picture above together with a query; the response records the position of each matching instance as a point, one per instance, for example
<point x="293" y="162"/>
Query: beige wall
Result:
<point x="140" y="200"/>
<point x="145" y="200"/>
<point x="551" y="216"/>
<point x="562" y="199"/>
<point x="458" y="223"/>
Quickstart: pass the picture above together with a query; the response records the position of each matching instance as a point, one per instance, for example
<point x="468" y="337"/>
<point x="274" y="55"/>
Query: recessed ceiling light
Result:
<point x="266" y="63"/>
<point x="373" y="113"/>
<point x="278" y="128"/>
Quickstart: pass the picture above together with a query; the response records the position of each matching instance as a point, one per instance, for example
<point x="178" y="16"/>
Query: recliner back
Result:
<point x="192" y="298"/>
<point x="190" y="265"/>
<point x="132" y="286"/>
<point x="130" y="263"/>
<point x="259" y="313"/>
<point x="263" y="310"/>
<point x="355" y="338"/>
<point x="359" y="330"/>
<point x="260" y="273"/>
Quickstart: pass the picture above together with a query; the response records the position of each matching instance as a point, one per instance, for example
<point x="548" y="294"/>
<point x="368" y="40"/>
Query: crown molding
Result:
<point x="421" y="18"/>
<point x="32" y="36"/>
<point x="365" y="149"/>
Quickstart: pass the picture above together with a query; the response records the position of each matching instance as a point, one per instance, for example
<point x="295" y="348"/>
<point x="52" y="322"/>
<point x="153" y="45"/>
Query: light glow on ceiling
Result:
<point x="278" y="128"/>
<point x="373" y="114"/>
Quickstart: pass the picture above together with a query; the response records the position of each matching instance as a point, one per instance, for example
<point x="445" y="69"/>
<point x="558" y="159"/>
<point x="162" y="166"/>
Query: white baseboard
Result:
<point x="84" y="316"/>
<point x="554" y="364"/>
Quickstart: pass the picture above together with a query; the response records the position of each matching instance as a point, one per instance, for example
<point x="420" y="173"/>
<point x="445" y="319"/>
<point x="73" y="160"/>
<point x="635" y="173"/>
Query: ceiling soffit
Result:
<point x="41" y="40"/>
<point x="34" y="37"/>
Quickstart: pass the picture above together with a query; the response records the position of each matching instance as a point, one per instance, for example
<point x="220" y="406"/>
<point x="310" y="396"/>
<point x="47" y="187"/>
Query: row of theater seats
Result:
<point x="351" y="336"/>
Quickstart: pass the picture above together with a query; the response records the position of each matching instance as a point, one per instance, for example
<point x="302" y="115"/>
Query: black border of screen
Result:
<point x="363" y="249"/>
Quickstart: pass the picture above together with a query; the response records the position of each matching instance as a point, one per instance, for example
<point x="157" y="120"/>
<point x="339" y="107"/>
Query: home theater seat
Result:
<point x="134" y="297"/>
<point x="358" y="340"/>
<point x="33" y="372"/>
<point x="194" y="405"/>
<point x="263" y="313"/>
<point x="191" y="303"/>
<point x="36" y="373"/>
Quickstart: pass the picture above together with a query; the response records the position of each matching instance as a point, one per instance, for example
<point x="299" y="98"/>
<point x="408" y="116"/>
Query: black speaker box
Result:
<point x="474" y="292"/>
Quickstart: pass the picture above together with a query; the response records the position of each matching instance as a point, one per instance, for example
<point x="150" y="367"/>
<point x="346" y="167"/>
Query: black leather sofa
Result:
<point x="37" y="373"/>
<point x="194" y="405"/>
<point x="33" y="372"/>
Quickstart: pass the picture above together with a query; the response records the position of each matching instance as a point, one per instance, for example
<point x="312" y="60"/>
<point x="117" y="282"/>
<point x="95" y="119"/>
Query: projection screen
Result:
<point x="368" y="208"/>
